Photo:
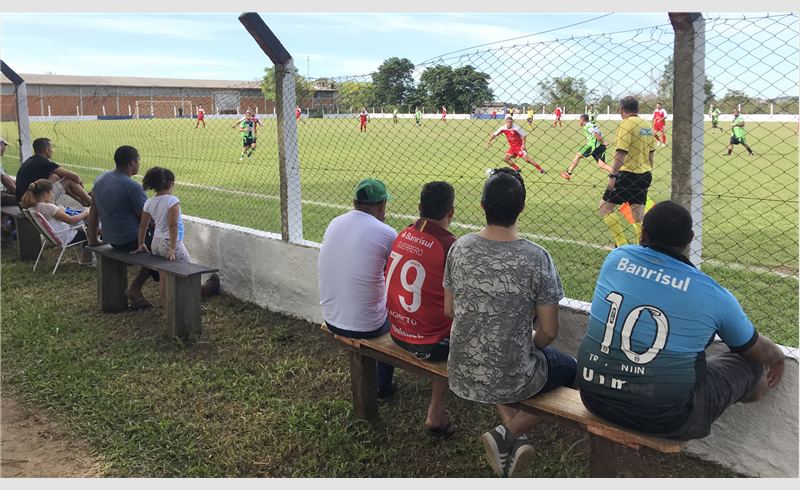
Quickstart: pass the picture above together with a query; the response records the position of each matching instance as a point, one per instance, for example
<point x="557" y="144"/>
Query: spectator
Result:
<point x="9" y="185"/>
<point x="495" y="287"/>
<point x="415" y="297"/>
<point x="642" y="361"/>
<point x="352" y="260"/>
<point x="39" y="166"/>
<point x="39" y="199"/>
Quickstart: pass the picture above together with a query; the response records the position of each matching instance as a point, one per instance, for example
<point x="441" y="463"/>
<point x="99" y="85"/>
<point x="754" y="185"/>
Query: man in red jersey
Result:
<point x="415" y="296"/>
<point x="364" y="118"/>
<point x="494" y="114"/>
<point x="201" y="114"/>
<point x="558" y="116"/>
<point x="516" y="140"/>
<point x="659" y="123"/>
<point x="444" y="114"/>
<point x="297" y="113"/>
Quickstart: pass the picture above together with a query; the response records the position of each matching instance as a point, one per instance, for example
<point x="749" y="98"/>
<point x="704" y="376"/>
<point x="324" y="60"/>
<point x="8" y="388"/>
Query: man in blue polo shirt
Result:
<point x="642" y="363"/>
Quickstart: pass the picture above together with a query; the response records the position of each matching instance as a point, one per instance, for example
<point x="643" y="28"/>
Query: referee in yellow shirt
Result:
<point x="631" y="175"/>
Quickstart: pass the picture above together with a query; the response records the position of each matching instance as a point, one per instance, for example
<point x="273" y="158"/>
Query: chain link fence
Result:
<point x="750" y="203"/>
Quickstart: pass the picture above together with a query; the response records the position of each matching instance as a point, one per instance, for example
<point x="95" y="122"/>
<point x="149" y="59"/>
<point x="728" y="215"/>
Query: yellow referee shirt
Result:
<point x="635" y="136"/>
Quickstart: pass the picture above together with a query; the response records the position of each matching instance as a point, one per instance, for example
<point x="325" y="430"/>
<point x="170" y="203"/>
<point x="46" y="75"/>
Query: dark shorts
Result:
<point x="730" y="378"/>
<point x="134" y="244"/>
<point x="714" y="121"/>
<point x="598" y="153"/>
<point x="427" y="352"/>
<point x="631" y="188"/>
<point x="360" y="335"/>
<point x="247" y="140"/>
<point x="562" y="369"/>
<point x="738" y="141"/>
<point x="530" y="120"/>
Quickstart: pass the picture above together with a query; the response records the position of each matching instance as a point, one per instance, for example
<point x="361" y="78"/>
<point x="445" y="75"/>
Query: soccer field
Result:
<point x="750" y="229"/>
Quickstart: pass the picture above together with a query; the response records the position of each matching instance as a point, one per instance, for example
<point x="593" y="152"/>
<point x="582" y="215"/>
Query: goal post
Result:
<point x="163" y="109"/>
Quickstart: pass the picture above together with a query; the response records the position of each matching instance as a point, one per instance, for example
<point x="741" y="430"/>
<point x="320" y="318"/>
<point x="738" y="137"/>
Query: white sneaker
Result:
<point x="241" y="159"/>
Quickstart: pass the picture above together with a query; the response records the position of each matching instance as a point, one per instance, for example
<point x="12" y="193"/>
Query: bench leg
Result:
<point x="364" y="379"/>
<point x="28" y="239"/>
<point x="183" y="305"/>
<point x="112" y="279"/>
<point x="602" y="457"/>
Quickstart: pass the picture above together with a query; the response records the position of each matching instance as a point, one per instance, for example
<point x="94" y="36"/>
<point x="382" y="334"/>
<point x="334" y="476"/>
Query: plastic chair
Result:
<point x="52" y="237"/>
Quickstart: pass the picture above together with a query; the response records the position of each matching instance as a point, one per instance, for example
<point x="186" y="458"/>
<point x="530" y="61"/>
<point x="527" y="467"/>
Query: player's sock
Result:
<point x="514" y="166"/>
<point x="664" y="139"/>
<point x="537" y="167"/>
<point x="612" y="221"/>
<point x="729" y="152"/>
<point x="242" y="155"/>
<point x="638" y="227"/>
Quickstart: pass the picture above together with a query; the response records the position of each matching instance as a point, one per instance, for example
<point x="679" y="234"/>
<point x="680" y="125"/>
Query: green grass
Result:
<point x="750" y="204"/>
<point x="256" y="387"/>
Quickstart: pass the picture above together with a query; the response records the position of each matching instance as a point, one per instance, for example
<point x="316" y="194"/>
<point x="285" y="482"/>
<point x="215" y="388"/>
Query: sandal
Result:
<point x="214" y="279"/>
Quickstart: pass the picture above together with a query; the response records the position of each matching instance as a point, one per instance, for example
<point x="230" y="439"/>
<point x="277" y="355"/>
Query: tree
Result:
<point x="393" y="81"/>
<point x="355" y="95"/>
<point x="666" y="87"/>
<point x="457" y="89"/>
<point x="708" y="88"/>
<point x="303" y="89"/>
<point x="570" y="93"/>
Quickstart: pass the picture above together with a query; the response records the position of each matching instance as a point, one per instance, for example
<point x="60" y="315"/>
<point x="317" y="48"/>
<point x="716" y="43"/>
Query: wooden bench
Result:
<point x="182" y="279"/>
<point x="28" y="239"/>
<point x="562" y="405"/>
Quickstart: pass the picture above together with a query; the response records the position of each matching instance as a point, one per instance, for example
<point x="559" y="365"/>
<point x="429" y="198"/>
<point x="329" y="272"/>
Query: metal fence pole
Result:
<point x="23" y="122"/>
<point x="687" y="129"/>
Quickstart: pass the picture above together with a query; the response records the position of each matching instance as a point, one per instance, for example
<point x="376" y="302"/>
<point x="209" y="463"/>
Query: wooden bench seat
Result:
<point x="28" y="240"/>
<point x="182" y="280"/>
<point x="562" y="405"/>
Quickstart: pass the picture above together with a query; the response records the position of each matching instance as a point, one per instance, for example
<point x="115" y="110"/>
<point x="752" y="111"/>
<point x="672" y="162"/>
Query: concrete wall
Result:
<point x="757" y="439"/>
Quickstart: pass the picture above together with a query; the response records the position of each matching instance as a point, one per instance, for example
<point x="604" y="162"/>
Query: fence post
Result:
<point x="687" y="127"/>
<point x="288" y="148"/>
<point x="21" y="93"/>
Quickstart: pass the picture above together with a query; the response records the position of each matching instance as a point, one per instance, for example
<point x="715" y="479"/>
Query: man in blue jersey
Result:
<point x="642" y="363"/>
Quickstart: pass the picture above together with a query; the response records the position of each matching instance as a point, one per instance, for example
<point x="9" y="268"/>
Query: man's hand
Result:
<point x="611" y="184"/>
<point x="774" y="373"/>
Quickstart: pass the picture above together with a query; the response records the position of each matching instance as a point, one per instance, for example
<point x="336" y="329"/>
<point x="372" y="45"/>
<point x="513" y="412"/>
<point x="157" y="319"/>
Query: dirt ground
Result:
<point x="33" y="444"/>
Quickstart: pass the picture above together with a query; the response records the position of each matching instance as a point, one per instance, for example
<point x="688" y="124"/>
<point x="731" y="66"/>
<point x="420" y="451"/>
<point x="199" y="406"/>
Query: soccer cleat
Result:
<point x="241" y="159"/>
<point x="752" y="154"/>
<point x="250" y="157"/>
<point x="520" y="459"/>
<point x="542" y="171"/>
<point x="565" y="175"/>
<point x="496" y="449"/>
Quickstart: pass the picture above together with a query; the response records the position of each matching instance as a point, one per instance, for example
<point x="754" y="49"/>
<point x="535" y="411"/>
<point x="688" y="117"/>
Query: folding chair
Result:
<point x="52" y="237"/>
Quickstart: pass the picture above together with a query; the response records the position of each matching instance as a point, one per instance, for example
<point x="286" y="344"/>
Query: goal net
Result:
<point x="163" y="109"/>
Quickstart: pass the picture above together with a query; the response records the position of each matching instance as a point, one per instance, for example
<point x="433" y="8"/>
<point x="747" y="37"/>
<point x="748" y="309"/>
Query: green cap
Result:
<point x="375" y="190"/>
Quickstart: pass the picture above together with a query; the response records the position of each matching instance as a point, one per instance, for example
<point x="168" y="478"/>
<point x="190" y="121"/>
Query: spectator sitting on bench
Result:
<point x="352" y="260"/>
<point x="39" y="166"/>
<point x="643" y="362"/>
<point x="415" y="297"/>
<point x="39" y="198"/>
<point x="9" y="185"/>
<point x="495" y="287"/>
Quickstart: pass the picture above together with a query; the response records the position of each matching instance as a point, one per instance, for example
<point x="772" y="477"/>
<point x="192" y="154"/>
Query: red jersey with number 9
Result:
<point x="414" y="274"/>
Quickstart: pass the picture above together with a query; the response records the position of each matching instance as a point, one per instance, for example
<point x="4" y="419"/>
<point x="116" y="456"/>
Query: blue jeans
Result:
<point x="562" y="369"/>
<point x="385" y="371"/>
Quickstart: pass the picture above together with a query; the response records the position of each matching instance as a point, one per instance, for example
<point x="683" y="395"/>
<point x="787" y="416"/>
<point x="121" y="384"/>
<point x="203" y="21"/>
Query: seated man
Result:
<point x="39" y="166"/>
<point x="642" y="361"/>
<point x="495" y="286"/>
<point x="352" y="284"/>
<point x="415" y="297"/>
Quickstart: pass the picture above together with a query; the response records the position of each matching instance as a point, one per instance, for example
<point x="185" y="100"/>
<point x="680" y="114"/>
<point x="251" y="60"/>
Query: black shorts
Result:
<point x="738" y="141"/>
<point x="714" y="121"/>
<point x="248" y="140"/>
<point x="134" y="244"/>
<point x="631" y="188"/>
<point x="598" y="153"/>
<point x="530" y="120"/>
<point x="427" y="352"/>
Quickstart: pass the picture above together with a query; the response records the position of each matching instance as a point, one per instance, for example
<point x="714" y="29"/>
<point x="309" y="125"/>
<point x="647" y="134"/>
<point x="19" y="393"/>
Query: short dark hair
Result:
<point x="584" y="117"/>
<point x="158" y="179"/>
<point x="629" y="104"/>
<point x="668" y="224"/>
<point x="436" y="199"/>
<point x="41" y="144"/>
<point x="503" y="197"/>
<point x="124" y="155"/>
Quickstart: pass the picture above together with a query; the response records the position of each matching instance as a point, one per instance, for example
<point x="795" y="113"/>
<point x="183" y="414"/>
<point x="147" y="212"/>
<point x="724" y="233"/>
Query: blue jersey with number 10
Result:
<point x="643" y="353"/>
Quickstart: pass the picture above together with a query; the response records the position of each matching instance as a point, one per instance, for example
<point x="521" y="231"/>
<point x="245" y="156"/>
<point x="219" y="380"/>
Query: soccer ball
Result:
<point x="489" y="172"/>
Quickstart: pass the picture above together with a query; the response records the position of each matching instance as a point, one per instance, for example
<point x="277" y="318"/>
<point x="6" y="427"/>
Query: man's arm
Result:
<point x="524" y="142"/>
<point x="766" y="353"/>
<point x="549" y="323"/>
<point x="9" y="183"/>
<point x="93" y="222"/>
<point x="619" y="159"/>
<point x="650" y="157"/>
<point x="67" y="174"/>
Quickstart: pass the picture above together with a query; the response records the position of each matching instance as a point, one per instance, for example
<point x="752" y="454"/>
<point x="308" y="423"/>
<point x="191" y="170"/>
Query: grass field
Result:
<point x="750" y="228"/>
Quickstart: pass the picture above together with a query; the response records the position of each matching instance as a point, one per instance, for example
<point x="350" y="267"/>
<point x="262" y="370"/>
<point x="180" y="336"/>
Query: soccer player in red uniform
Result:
<point x="444" y="114"/>
<point x="297" y="113"/>
<point x="415" y="296"/>
<point x="659" y="121"/>
<point x="558" y="116"/>
<point x="201" y="114"/>
<point x="494" y="114"/>
<point x="364" y="118"/>
<point x="516" y="141"/>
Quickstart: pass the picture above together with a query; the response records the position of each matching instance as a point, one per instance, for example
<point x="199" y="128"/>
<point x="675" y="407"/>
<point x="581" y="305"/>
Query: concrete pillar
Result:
<point x="288" y="154"/>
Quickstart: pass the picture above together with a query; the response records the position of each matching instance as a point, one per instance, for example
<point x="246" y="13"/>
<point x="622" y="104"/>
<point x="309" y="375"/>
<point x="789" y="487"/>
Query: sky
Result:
<point x="207" y="45"/>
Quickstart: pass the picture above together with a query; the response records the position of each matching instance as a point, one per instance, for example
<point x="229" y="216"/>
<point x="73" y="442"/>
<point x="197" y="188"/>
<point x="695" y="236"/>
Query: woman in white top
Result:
<point x="165" y="209"/>
<point x="39" y="198"/>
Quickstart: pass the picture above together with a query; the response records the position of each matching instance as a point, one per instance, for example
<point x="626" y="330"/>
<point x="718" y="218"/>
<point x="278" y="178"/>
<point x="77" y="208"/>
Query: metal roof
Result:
<point x="36" y="79"/>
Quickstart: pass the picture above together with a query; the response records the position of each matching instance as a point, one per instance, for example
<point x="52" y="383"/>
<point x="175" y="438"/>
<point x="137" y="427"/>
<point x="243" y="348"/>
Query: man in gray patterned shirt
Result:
<point x="495" y="286"/>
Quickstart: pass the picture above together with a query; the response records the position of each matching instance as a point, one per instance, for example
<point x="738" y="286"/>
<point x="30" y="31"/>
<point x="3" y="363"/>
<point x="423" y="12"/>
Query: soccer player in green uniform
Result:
<point x="394" y="115"/>
<point x="737" y="133"/>
<point x="714" y="113"/>
<point x="593" y="114"/>
<point x="247" y="127"/>
<point x="596" y="147"/>
<point x="418" y="116"/>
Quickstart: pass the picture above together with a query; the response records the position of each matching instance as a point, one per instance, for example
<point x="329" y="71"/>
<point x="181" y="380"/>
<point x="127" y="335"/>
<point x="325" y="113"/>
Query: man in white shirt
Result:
<point x="352" y="261"/>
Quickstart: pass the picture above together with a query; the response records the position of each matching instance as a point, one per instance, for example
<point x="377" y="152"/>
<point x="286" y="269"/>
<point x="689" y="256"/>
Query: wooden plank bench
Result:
<point x="182" y="279"/>
<point x="562" y="405"/>
<point x="28" y="239"/>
